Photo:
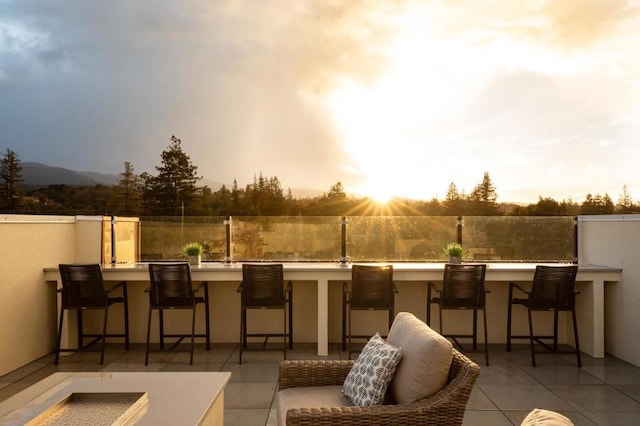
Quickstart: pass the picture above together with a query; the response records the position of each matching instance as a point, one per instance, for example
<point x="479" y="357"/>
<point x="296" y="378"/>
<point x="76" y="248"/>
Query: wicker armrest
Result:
<point x="297" y="373"/>
<point x="446" y="407"/>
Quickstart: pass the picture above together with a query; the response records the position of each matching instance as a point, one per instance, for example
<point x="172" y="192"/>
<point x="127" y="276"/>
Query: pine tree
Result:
<point x="129" y="186"/>
<point x="453" y="202"/>
<point x="175" y="184"/>
<point x="625" y="203"/>
<point x="336" y="193"/>
<point x="10" y="169"/>
<point x="484" y="197"/>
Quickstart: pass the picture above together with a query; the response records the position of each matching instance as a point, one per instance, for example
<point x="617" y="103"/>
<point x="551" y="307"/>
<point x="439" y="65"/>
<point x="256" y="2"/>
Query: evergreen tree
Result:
<point x="625" y="203"/>
<point x="597" y="205"/>
<point x="336" y="193"/>
<point x="146" y="187"/>
<point x="236" y="195"/>
<point x="129" y="186"/>
<point x="484" y="197"/>
<point x="175" y="185"/>
<point x="453" y="202"/>
<point x="10" y="169"/>
<point x="265" y="196"/>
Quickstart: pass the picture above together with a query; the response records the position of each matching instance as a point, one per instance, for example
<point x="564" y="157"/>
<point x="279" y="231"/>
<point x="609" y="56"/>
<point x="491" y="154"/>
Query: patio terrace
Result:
<point x="604" y="391"/>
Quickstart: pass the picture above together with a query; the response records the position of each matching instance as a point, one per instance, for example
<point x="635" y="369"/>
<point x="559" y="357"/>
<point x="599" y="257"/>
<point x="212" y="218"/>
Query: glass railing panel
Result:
<point x="285" y="238"/>
<point x="162" y="237"/>
<point x="368" y="238"/>
<point x="518" y="238"/>
<point x="399" y="238"/>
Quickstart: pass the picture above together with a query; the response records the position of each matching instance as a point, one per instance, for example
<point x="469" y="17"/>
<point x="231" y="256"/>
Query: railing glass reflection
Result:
<point x="361" y="238"/>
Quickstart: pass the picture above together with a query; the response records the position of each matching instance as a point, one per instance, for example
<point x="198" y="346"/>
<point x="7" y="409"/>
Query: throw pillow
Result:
<point x="366" y="383"/>
<point x="426" y="359"/>
<point x="540" y="417"/>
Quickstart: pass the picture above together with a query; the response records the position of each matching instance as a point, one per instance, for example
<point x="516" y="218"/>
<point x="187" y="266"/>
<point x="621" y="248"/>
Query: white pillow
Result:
<point x="540" y="417"/>
<point x="366" y="383"/>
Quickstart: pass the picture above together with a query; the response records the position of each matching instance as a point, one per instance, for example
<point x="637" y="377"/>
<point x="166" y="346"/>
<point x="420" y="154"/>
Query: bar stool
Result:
<point x="171" y="289"/>
<point x="83" y="289"/>
<point x="262" y="287"/>
<point x="552" y="290"/>
<point x="372" y="289"/>
<point x="462" y="289"/>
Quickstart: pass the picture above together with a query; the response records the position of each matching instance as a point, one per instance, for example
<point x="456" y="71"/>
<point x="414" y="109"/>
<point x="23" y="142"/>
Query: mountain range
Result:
<point x="38" y="175"/>
<point x="35" y="175"/>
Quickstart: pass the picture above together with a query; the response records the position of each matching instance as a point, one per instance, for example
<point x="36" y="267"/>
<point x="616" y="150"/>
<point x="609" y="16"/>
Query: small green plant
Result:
<point x="193" y="249"/>
<point x="455" y="250"/>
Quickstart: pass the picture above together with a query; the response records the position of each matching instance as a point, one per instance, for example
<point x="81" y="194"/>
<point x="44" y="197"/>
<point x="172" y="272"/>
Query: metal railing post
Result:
<point x="459" y="229"/>
<point x="114" y="240"/>
<point x="227" y="228"/>
<point x="575" y="239"/>
<point x="343" y="240"/>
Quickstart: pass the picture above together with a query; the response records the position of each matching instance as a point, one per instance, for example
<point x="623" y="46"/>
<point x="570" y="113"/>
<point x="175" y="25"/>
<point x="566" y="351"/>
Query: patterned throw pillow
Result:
<point x="366" y="383"/>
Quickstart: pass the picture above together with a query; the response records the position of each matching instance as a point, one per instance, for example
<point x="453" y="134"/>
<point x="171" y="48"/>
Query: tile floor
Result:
<point x="602" y="392"/>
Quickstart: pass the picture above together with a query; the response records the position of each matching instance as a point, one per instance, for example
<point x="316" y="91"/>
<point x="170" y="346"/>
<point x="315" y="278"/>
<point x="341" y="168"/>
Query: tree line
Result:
<point x="174" y="191"/>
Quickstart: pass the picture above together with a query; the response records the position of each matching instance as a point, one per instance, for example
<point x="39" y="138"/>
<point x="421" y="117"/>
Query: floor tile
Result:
<point x="523" y="397"/>
<point x="602" y="392"/>
<point x="504" y="374"/>
<point x="485" y="418"/>
<point x="596" y="398"/>
<point x="578" y="419"/>
<point x="249" y="395"/>
<point x="615" y="373"/>
<point x="253" y="372"/>
<point x="245" y="417"/>
<point x="479" y="401"/>
<point x="132" y="367"/>
<point x="556" y="374"/>
<point x="632" y="391"/>
<point x="614" y="419"/>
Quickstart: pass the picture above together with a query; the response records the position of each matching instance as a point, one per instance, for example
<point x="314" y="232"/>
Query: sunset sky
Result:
<point x="388" y="97"/>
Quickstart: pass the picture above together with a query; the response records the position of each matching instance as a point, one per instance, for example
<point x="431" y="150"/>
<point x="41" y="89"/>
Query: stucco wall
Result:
<point x="26" y="303"/>
<point x="615" y="241"/>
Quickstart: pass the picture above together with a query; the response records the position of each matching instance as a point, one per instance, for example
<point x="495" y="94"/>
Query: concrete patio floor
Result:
<point x="602" y="392"/>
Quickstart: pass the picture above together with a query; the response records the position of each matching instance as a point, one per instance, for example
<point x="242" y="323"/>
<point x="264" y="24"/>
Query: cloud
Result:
<point x="579" y="23"/>
<point x="488" y="85"/>
<point x="238" y="81"/>
<point x="565" y="24"/>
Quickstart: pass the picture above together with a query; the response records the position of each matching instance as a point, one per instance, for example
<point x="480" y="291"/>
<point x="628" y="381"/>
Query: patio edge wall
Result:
<point x="614" y="240"/>
<point x="28" y="306"/>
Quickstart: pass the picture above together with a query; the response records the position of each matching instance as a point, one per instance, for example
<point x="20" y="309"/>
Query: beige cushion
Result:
<point x="426" y="359"/>
<point x="540" y="417"/>
<point x="309" y="397"/>
<point x="367" y="382"/>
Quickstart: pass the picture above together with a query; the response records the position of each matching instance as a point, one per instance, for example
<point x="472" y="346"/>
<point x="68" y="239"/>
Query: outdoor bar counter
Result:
<point x="591" y="280"/>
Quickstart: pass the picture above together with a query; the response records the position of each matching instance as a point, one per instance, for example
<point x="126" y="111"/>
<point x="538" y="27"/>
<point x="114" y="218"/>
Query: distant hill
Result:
<point x="37" y="175"/>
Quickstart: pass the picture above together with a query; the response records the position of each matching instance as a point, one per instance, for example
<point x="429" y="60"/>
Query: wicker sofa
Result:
<point x="445" y="407"/>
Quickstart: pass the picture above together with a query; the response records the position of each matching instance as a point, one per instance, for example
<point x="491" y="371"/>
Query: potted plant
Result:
<point x="455" y="251"/>
<point x="193" y="251"/>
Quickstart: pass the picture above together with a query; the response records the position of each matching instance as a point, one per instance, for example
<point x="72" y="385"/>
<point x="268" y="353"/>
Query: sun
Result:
<point x="380" y="195"/>
<point x="396" y="130"/>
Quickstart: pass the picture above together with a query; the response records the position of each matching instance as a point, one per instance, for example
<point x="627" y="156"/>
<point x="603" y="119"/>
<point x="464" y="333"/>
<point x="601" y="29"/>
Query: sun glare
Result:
<point x="383" y="125"/>
<point x="380" y="195"/>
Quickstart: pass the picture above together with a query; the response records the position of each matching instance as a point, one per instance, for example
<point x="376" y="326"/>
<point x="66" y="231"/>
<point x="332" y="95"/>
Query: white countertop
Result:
<point x="173" y="397"/>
